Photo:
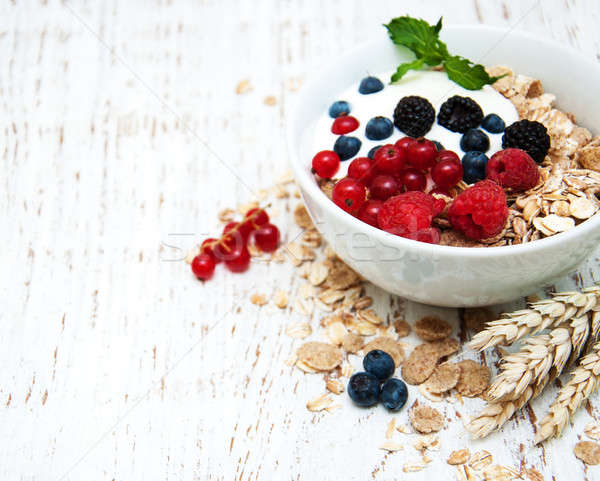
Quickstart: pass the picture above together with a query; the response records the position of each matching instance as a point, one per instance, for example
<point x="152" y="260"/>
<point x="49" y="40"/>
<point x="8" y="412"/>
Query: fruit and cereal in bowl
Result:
<point x="454" y="155"/>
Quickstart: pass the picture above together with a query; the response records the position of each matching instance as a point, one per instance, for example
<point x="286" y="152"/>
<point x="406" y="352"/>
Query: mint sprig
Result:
<point x="423" y="40"/>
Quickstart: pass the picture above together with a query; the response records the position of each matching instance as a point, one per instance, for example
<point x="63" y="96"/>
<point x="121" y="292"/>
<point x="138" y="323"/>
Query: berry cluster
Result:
<point x="373" y="385"/>
<point x="232" y="247"/>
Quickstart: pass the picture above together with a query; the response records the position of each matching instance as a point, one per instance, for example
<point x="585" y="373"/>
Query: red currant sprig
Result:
<point x="232" y="246"/>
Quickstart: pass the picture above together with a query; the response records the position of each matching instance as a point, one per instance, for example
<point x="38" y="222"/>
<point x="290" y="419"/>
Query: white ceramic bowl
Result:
<point x="443" y="275"/>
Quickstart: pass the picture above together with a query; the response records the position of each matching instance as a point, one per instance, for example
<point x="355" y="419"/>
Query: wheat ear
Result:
<point x="541" y="315"/>
<point x="584" y="381"/>
<point x="539" y="355"/>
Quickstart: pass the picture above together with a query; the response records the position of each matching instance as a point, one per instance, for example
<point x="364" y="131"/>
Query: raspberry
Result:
<point x="460" y="114"/>
<point x="529" y="135"/>
<point x="514" y="169"/>
<point x="414" y="116"/>
<point x="480" y="211"/>
<point x="409" y="215"/>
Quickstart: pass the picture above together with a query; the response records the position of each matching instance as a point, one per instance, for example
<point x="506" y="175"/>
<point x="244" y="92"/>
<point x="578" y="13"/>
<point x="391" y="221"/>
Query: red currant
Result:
<point x="383" y="187"/>
<point x="344" y="125"/>
<point x="389" y="160"/>
<point x="447" y="173"/>
<point x="349" y="194"/>
<point x="257" y="217"/>
<point x="237" y="229"/>
<point x="208" y="247"/>
<point x="203" y="266"/>
<point x="413" y="179"/>
<point x="421" y="154"/>
<point x="403" y="143"/>
<point x="267" y="237"/>
<point x="238" y="260"/>
<point x="368" y="212"/>
<point x="326" y="163"/>
<point x="362" y="169"/>
<point x="447" y="155"/>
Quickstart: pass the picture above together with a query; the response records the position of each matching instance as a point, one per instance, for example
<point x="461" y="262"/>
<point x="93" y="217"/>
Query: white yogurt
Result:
<point x="435" y="87"/>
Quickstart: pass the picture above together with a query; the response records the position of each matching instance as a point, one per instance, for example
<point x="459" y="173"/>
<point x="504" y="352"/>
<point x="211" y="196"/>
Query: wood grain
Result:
<point x="116" y="364"/>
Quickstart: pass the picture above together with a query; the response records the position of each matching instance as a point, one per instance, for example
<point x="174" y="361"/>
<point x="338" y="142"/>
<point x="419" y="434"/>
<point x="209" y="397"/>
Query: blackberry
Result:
<point x="528" y="135"/>
<point x="414" y="116"/>
<point x="460" y="114"/>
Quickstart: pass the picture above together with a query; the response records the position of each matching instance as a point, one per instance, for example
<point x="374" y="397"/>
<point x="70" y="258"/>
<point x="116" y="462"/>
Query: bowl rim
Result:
<point x="307" y="182"/>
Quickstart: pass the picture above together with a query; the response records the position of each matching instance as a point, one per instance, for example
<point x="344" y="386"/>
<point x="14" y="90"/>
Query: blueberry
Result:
<point x="475" y="139"/>
<point x="370" y="85"/>
<point x="379" y="128"/>
<point x="379" y="363"/>
<point x="339" y="108"/>
<point x="493" y="124"/>
<point x="394" y="394"/>
<point x="438" y="146"/>
<point x="474" y="164"/>
<point x="363" y="389"/>
<point x="371" y="153"/>
<point x="346" y="147"/>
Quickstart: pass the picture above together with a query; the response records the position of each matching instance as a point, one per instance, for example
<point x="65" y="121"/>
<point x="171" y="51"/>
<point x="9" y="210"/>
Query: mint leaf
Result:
<point x="405" y="67"/>
<point x="420" y="37"/>
<point x="465" y="73"/>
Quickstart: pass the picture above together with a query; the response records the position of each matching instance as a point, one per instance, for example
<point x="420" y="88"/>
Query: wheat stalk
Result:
<point x="539" y="355"/>
<point x="584" y="381"/>
<point x="541" y="315"/>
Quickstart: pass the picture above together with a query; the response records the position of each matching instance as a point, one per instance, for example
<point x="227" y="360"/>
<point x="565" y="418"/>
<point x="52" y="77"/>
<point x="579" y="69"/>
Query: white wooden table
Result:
<point x="115" y="362"/>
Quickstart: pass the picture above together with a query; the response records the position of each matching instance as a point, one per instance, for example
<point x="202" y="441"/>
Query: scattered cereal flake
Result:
<point x="432" y="328"/>
<point x="281" y="299"/>
<point x="306" y="291"/>
<point x="402" y="327"/>
<point x="426" y="419"/>
<point x="460" y="456"/>
<point x="298" y="330"/>
<point x="333" y="407"/>
<point x="304" y="306"/>
<point x="533" y="474"/>
<point x="388" y="345"/>
<point x="302" y="218"/>
<point x="477" y="317"/>
<point x="444" y="377"/>
<point x="334" y="385"/>
<point x="270" y="100"/>
<point x="342" y="277"/>
<point x="391" y="427"/>
<point x="446" y="347"/>
<point x="258" y="299"/>
<point x="427" y="442"/>
<point x="370" y="316"/>
<point x="243" y="87"/>
<point x="312" y="238"/>
<point x="291" y="360"/>
<point x="318" y="273"/>
<point x="474" y="378"/>
<point x="305" y="367"/>
<point x="556" y="223"/>
<point x="363" y="328"/>
<point x="336" y="332"/>
<point x="414" y="466"/>
<point x="588" y="452"/>
<point x="320" y="356"/>
<point x="286" y="177"/>
<point x="330" y="296"/>
<point x="480" y="460"/>
<point x="362" y="303"/>
<point x="347" y="370"/>
<point x="496" y="472"/>
<point x="427" y="394"/>
<point x="352" y="343"/>
<point x="420" y="364"/>
<point x="391" y="446"/>
<point x="404" y="429"/>
<point x="592" y="431"/>
<point x="582" y="208"/>
<point x="319" y="403"/>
